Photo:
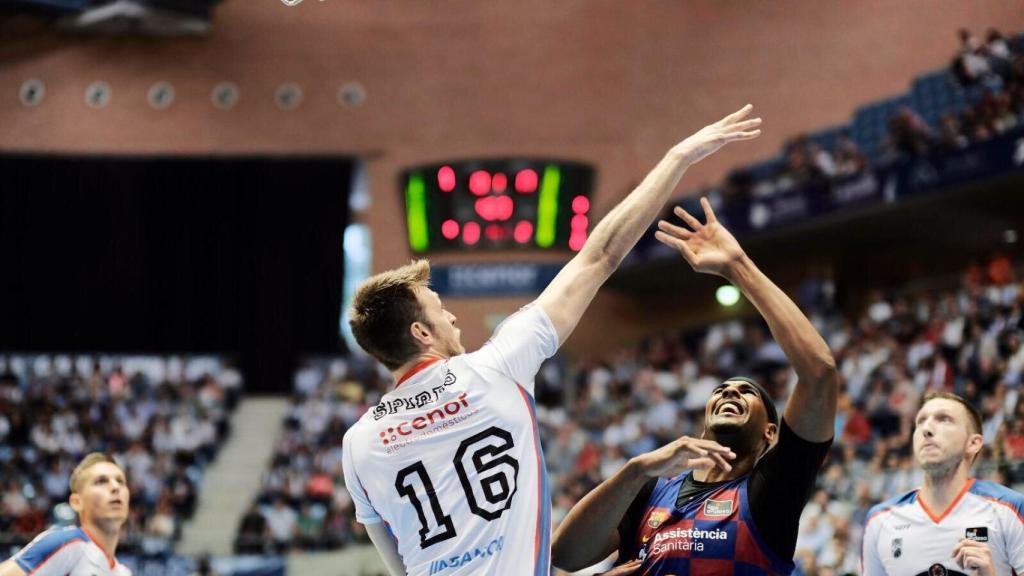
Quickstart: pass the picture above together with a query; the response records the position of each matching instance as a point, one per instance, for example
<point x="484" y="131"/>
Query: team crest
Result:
<point x="897" y="547"/>
<point x="937" y="570"/>
<point x="656" y="518"/>
<point x="718" y="507"/>
<point x="979" y="534"/>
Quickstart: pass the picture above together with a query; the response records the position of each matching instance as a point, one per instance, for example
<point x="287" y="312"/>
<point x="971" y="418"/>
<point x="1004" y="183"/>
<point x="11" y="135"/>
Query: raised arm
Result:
<point x="569" y="294"/>
<point x="710" y="248"/>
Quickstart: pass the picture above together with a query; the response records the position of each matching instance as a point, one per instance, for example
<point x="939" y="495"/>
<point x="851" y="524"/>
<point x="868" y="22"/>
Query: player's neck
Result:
<point x="105" y="536"/>
<point x="940" y="491"/>
<point x="407" y="370"/>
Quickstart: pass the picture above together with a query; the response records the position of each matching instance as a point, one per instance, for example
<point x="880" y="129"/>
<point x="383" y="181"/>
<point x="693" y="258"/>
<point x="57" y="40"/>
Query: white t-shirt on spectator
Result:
<point x="451" y="460"/>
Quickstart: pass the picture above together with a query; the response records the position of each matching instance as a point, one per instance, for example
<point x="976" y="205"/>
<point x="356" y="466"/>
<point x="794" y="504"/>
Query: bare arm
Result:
<point x="9" y="568"/>
<point x="710" y="248"/>
<point x="569" y="294"/>
<point x="589" y="532"/>
<point x="386" y="547"/>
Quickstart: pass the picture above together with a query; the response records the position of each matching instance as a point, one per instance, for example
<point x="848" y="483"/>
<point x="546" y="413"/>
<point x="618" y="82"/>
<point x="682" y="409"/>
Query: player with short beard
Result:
<point x="953" y="524"/>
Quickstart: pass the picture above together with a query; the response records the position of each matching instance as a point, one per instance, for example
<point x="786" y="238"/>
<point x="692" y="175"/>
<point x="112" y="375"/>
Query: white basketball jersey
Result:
<point x="902" y="537"/>
<point x="67" y="551"/>
<point x="451" y="458"/>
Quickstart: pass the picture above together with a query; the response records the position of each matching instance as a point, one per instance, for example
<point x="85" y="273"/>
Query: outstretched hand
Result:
<point x="710" y="138"/>
<point x="709" y="248"/>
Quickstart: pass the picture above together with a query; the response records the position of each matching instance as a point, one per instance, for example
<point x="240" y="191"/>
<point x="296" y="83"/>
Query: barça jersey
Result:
<point x="451" y="460"/>
<point x="67" y="551"/>
<point x="903" y="537"/>
<point x="709" y="535"/>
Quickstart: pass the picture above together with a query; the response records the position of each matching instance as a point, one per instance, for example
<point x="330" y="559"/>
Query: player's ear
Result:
<point x="771" y="432"/>
<point x="974" y="445"/>
<point x="76" y="502"/>
<point x="421" y="333"/>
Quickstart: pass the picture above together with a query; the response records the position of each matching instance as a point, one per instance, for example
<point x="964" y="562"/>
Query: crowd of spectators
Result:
<point x="162" y="418"/>
<point x="303" y="502"/>
<point x="996" y="65"/>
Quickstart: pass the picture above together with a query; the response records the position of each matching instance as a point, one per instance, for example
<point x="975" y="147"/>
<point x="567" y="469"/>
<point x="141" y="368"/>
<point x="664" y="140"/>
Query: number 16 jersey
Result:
<point x="451" y="460"/>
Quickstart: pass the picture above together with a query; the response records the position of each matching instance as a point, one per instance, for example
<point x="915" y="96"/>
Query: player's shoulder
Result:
<point x="57" y="537"/>
<point x="999" y="493"/>
<point x="49" y="543"/>
<point x="878" y="511"/>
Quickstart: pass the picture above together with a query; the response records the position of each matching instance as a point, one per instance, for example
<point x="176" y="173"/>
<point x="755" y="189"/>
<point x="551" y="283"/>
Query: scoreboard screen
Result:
<point x="498" y="204"/>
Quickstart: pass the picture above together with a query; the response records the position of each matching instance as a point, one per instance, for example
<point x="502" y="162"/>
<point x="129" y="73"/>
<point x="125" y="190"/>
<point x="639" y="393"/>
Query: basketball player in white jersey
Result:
<point x="446" y="471"/>
<point x="99" y="494"/>
<point x="954" y="524"/>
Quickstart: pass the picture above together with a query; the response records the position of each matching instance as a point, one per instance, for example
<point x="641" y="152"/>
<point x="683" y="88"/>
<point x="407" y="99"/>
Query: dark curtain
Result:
<point x="237" y="256"/>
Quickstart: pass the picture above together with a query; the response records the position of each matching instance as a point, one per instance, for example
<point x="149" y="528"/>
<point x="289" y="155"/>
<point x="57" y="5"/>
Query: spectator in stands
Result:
<point x="909" y="134"/>
<point x="281" y="524"/>
<point x="252" y="532"/>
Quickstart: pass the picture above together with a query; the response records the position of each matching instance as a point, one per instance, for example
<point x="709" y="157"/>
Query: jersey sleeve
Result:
<point x="52" y="553"/>
<point x="870" y="563"/>
<point x="365" y="512"/>
<point x="1014" y="530"/>
<point x="520" y="344"/>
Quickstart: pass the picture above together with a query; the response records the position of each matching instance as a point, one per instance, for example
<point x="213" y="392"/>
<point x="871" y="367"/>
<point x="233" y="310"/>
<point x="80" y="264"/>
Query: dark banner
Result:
<point x="489" y="280"/>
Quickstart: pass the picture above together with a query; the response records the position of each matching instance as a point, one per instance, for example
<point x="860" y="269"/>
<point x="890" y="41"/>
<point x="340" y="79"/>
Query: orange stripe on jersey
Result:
<point x="54" y="553"/>
<point x="110" y="559"/>
<point x="416" y="370"/>
<point x="1008" y="505"/>
<point x="880" y="512"/>
<point x="937" y="519"/>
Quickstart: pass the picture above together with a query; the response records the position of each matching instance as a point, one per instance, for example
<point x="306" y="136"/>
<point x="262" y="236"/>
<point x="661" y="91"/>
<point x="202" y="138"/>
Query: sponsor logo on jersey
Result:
<point x="425" y="398"/>
<point x="657" y="517"/>
<point x="683" y="540"/>
<point x="717" y="507"/>
<point x="899" y="527"/>
<point x="437" y="416"/>
<point x="897" y="547"/>
<point x="457" y="560"/>
<point x="979" y="534"/>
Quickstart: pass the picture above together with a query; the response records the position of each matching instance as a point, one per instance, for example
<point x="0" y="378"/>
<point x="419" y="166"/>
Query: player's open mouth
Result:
<point x="730" y="407"/>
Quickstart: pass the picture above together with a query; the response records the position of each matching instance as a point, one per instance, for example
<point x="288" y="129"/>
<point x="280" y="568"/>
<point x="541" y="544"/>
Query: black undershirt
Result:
<point x="779" y="487"/>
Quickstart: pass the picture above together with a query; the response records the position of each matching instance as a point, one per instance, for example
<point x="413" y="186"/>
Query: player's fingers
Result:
<point x="705" y="463"/>
<point x="709" y="214"/>
<point x="720" y="462"/>
<point x="670" y="228"/>
<point x="737" y="136"/>
<point x="745" y="125"/>
<point x="673" y="242"/>
<point x="687" y="217"/>
<point x="737" y="115"/>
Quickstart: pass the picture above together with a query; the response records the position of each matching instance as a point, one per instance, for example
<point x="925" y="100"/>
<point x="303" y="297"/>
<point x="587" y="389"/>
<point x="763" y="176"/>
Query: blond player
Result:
<point x="99" y="495"/>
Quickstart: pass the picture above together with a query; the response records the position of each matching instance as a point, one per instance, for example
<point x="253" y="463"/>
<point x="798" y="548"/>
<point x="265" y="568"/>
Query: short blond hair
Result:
<point x="92" y="459"/>
<point x="384" y="307"/>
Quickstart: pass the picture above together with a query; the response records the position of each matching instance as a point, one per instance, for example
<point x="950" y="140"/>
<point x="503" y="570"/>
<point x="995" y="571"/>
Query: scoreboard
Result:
<point x="498" y="204"/>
